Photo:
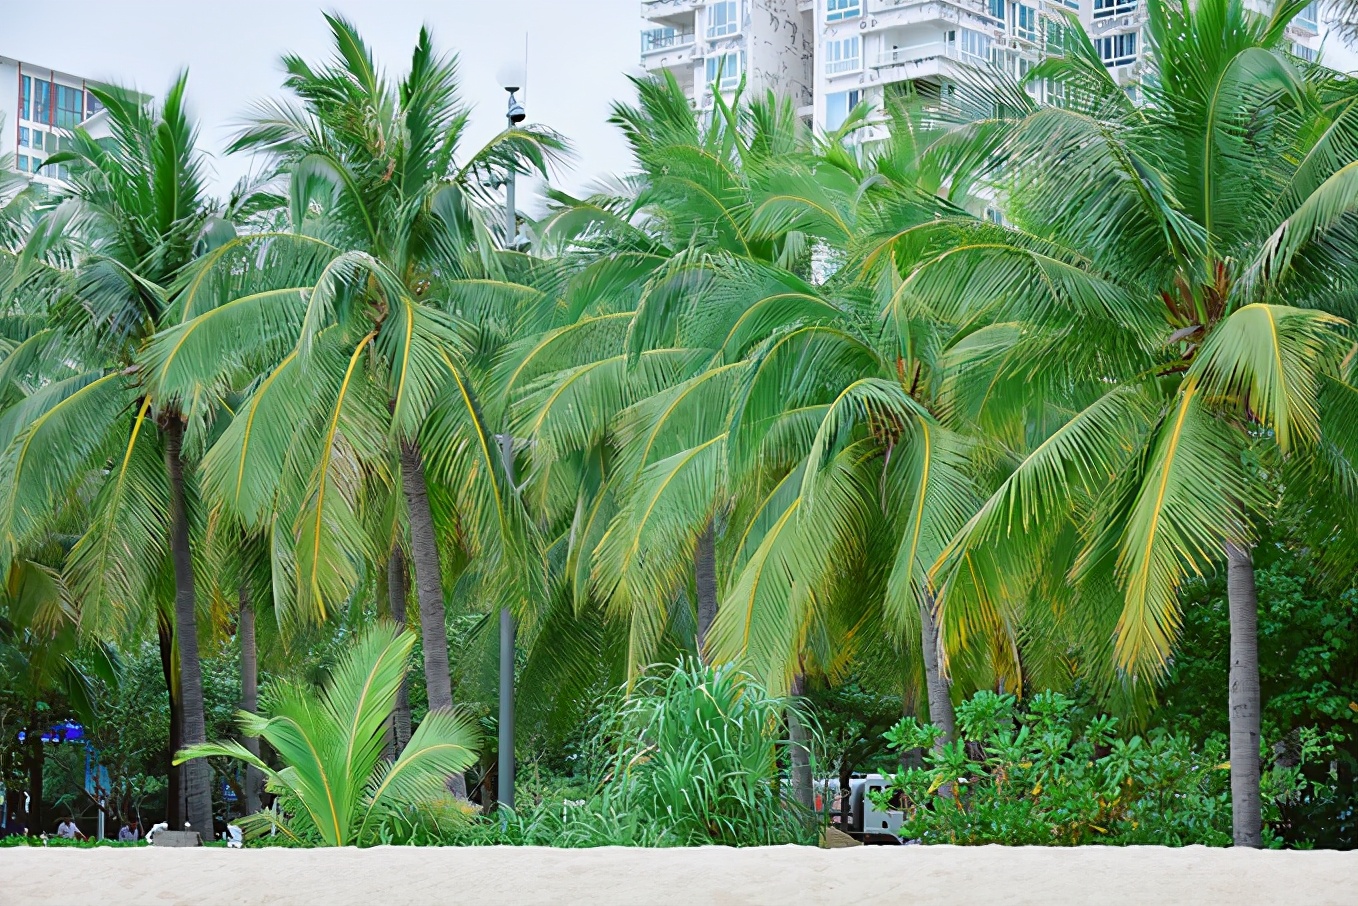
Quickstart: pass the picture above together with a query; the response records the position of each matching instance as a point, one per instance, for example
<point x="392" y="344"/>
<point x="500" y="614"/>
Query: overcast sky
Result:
<point x="579" y="53"/>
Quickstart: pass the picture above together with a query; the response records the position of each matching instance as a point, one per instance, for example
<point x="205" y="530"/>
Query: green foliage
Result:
<point x="1045" y="775"/>
<point x="689" y="758"/>
<point x="1308" y="672"/>
<point x="336" y="789"/>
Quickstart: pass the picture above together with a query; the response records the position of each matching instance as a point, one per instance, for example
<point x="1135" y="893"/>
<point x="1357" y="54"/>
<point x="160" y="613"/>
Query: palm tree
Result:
<point x="138" y="209"/>
<point x="1172" y="286"/>
<point x="335" y="787"/>
<point x="353" y="317"/>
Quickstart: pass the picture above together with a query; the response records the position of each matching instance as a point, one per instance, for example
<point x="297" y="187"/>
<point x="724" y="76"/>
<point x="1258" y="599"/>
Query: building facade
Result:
<point x="39" y="110"/>
<point x="831" y="54"/>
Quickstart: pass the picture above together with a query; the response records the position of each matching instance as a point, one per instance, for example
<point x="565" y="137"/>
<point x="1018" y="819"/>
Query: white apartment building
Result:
<point x="831" y="54"/>
<point x="39" y="109"/>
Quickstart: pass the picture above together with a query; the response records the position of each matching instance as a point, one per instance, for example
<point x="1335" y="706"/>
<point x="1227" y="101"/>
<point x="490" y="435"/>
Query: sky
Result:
<point x="579" y="53"/>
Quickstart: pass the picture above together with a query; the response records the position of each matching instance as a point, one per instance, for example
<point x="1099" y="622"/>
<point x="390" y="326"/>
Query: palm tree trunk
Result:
<point x="799" y="751"/>
<point x="396" y="596"/>
<point x="428" y="591"/>
<point x="940" y="697"/>
<point x="36" y="756"/>
<point x="174" y="805"/>
<point x="705" y="578"/>
<point x="1243" y="604"/>
<point x="249" y="695"/>
<point x="196" y="775"/>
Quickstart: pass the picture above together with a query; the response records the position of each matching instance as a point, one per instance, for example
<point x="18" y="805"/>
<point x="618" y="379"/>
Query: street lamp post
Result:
<point x="512" y="81"/>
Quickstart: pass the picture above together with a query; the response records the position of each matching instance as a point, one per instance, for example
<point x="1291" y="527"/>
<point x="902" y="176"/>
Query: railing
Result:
<point x="851" y="64"/>
<point x="922" y="53"/>
<point x="664" y="38"/>
<point x="972" y="6"/>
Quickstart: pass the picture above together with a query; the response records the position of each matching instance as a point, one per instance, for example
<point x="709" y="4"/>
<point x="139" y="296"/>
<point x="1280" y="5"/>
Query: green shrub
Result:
<point x="689" y="757"/>
<point x="1042" y="776"/>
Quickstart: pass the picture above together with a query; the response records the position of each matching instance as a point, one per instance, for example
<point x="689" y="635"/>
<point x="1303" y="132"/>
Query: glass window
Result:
<point x="41" y="111"/>
<point x="23" y="163"/>
<point x="1105" y="8"/>
<point x="836" y="10"/>
<point x="974" y="47"/>
<point x="35" y="164"/>
<point x="1307" y="18"/>
<point x="996" y="8"/>
<point x="92" y="105"/>
<point x="23" y="137"/>
<point x="1025" y="22"/>
<point x="651" y="40"/>
<point x="1306" y="53"/>
<point x="728" y="66"/>
<point x="843" y="55"/>
<point x="51" y="142"/>
<point x="1117" y="50"/>
<point x="70" y="106"/>
<point x="837" y="107"/>
<point x="26" y="99"/>
<point x="723" y="18"/>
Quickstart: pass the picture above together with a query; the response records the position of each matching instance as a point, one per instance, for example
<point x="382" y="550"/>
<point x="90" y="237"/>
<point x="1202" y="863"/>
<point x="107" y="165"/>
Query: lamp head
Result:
<point x="510" y="76"/>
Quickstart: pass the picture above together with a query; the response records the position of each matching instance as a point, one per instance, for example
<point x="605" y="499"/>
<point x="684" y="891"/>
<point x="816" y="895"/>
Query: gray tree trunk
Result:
<point x="429" y="591"/>
<point x="249" y="695"/>
<point x="705" y="578"/>
<point x="174" y="799"/>
<point x="940" y="697"/>
<point x="799" y="752"/>
<point x="1243" y="604"/>
<point x="396" y="595"/>
<point x="196" y="775"/>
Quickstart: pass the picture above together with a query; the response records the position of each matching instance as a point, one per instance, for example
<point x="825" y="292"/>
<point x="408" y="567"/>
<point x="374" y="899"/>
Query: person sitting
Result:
<point x="67" y="829"/>
<point x="129" y="833"/>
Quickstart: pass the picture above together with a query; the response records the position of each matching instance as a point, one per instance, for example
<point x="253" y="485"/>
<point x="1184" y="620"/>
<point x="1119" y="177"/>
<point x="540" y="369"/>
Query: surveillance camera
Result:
<point x="516" y="113"/>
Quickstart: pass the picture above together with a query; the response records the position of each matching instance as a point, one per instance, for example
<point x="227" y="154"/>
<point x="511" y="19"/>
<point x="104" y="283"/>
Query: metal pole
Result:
<point x="505" y="787"/>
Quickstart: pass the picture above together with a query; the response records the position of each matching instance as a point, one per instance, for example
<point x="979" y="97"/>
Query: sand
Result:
<point x="389" y="876"/>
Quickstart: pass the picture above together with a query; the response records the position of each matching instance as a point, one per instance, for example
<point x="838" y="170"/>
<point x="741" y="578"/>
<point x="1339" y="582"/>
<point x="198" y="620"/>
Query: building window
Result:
<point x="723" y="19"/>
<point x="23" y="163"/>
<point x="1305" y="53"/>
<point x="92" y="105"/>
<point x="837" y="107"/>
<point x="23" y="137"/>
<point x="843" y="55"/>
<point x="51" y="142"/>
<point x="1307" y="18"/>
<point x="724" y="70"/>
<point x="35" y="164"/>
<point x="835" y="10"/>
<point x="996" y="8"/>
<point x="1105" y="8"/>
<point x="651" y="40"/>
<point x="1117" y="50"/>
<point x="969" y="46"/>
<point x="70" y="106"/>
<point x="37" y="102"/>
<point x="1025" y="22"/>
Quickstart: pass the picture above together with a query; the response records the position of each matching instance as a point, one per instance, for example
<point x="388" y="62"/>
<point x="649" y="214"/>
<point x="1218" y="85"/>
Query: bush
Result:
<point x="690" y="757"/>
<point x="1041" y="776"/>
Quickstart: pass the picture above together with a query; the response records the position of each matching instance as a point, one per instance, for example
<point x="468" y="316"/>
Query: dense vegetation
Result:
<point x="1032" y="407"/>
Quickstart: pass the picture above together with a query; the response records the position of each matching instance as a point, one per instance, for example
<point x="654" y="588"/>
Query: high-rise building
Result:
<point x="39" y="111"/>
<point x="831" y="54"/>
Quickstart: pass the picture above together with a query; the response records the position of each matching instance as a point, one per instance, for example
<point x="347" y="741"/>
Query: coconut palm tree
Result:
<point x="138" y="212"/>
<point x="1173" y="287"/>
<point x="354" y="317"/>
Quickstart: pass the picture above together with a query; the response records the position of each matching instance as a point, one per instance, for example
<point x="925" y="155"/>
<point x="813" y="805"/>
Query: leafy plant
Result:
<point x="336" y="789"/>
<point x="1044" y="776"/>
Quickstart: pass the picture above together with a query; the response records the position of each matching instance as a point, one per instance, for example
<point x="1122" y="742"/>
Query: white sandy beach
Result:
<point x="784" y="875"/>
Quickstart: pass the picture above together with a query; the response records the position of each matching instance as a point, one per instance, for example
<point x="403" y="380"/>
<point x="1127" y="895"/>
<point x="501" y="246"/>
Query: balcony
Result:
<point x="924" y="59"/>
<point x="655" y="40"/>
